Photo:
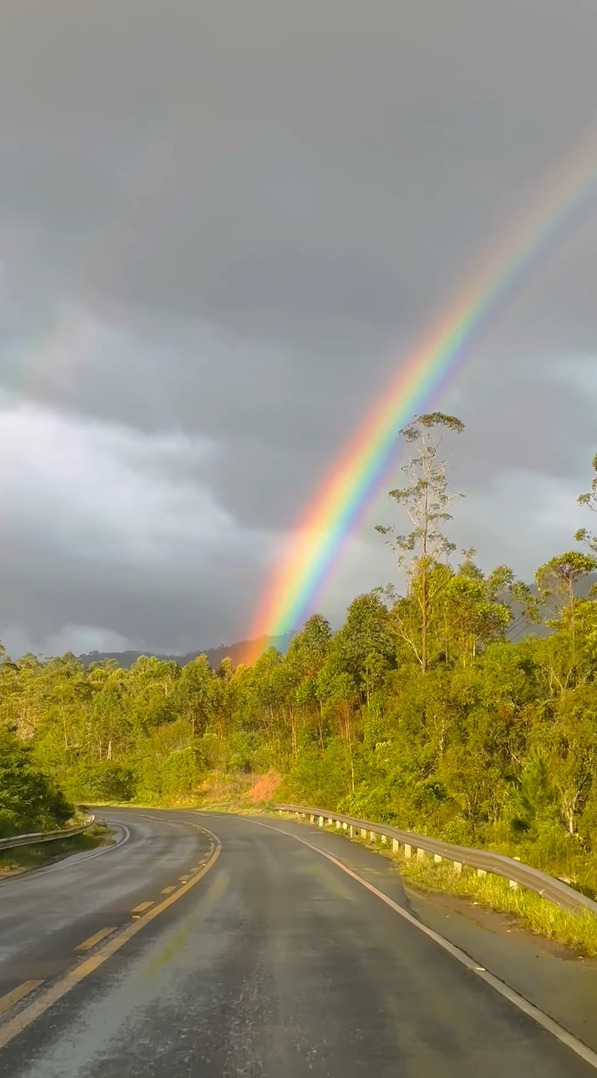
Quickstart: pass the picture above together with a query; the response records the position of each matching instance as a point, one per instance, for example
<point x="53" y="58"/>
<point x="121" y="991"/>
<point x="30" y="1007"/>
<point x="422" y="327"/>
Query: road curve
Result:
<point x="275" y="963"/>
<point x="46" y="914"/>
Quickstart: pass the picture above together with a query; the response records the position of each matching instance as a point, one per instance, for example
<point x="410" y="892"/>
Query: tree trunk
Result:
<point x="424" y="621"/>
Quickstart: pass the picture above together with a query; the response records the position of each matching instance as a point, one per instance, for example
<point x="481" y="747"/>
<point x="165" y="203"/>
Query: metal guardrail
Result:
<point x="44" y="836"/>
<point x="484" y="861"/>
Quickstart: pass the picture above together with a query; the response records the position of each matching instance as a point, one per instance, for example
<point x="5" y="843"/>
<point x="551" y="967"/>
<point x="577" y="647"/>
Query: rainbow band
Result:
<point x="361" y="469"/>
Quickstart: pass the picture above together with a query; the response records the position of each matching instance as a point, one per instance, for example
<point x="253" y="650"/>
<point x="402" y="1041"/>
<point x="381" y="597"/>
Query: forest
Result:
<point x="455" y="702"/>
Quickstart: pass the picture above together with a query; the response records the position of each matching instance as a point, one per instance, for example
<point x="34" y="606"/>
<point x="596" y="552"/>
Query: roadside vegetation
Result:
<point x="32" y="802"/>
<point x="456" y="702"/>
<point x="577" y="931"/>
<point x="25" y="858"/>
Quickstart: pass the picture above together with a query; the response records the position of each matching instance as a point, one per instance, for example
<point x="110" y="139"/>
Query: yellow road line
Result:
<point x="168" y="890"/>
<point x="87" y="944"/>
<point x="74" y="976"/>
<point x="9" y="1000"/>
<point x="138" y="910"/>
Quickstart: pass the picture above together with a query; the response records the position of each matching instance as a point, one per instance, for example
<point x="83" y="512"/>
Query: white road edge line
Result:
<point x="66" y="861"/>
<point x="100" y="853"/>
<point x="523" y="1004"/>
<point x="108" y="849"/>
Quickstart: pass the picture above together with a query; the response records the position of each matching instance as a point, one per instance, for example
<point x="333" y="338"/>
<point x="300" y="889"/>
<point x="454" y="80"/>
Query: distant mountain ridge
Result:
<point x="235" y="652"/>
<point x="519" y="627"/>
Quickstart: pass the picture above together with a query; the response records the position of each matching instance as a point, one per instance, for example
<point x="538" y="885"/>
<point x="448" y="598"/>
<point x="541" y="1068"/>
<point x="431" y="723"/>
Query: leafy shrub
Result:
<point x="29" y="801"/>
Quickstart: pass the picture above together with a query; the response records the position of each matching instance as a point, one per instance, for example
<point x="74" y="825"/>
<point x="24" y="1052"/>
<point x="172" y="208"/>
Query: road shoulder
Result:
<point x="558" y="984"/>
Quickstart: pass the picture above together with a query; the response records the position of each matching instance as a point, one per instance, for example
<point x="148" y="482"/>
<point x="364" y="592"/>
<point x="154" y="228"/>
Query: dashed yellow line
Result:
<point x="50" y="995"/>
<point x="87" y="944"/>
<point x="138" y="910"/>
<point x="168" y="890"/>
<point x="17" y="994"/>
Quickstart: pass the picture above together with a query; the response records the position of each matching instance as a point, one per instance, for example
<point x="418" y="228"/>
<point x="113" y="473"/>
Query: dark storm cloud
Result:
<point x="165" y="609"/>
<point x="223" y="225"/>
<point x="280" y="167"/>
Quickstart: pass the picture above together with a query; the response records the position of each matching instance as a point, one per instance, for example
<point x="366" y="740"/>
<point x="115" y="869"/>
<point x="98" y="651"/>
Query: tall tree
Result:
<point x="589" y="499"/>
<point x="364" y="646"/>
<point x="557" y="579"/>
<point x="426" y="501"/>
<point x="195" y="694"/>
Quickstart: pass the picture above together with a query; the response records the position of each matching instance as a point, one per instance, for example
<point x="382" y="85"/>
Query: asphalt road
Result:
<point x="268" y="960"/>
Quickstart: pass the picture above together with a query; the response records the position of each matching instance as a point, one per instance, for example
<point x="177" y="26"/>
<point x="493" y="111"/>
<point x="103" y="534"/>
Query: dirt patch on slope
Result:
<point x="265" y="788"/>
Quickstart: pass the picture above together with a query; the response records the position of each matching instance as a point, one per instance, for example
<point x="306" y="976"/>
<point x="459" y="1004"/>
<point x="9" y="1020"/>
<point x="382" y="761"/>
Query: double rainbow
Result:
<point x="358" y="474"/>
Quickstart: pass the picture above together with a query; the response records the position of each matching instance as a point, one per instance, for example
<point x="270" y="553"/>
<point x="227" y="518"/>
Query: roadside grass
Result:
<point x="26" y="858"/>
<point x="227" y="802"/>
<point x="576" y="931"/>
<point x="228" y="793"/>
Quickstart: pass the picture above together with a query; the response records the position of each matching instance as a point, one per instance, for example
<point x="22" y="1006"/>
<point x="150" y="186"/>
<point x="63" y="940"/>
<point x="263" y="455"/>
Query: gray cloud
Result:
<point x="222" y="227"/>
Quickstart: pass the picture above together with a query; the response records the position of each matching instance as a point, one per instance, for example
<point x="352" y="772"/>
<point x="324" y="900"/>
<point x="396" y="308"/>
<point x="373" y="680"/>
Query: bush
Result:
<point x="319" y="778"/>
<point x="102" y="781"/>
<point x="29" y="801"/>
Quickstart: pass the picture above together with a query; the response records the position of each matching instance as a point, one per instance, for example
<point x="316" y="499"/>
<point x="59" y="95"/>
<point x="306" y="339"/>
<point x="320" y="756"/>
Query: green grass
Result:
<point x="24" y="858"/>
<point x="576" y="931"/>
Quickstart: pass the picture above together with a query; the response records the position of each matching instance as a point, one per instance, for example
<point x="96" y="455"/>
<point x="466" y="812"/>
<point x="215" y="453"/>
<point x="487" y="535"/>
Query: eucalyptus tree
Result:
<point x="426" y="501"/>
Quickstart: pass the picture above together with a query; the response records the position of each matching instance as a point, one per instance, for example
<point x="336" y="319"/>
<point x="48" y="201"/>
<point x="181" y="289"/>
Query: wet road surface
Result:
<point x="267" y="961"/>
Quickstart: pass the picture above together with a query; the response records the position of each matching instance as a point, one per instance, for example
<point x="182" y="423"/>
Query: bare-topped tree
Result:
<point x="589" y="498"/>
<point x="426" y="501"/>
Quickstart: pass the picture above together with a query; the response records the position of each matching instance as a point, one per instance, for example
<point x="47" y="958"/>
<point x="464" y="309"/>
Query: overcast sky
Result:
<point x="223" y="225"/>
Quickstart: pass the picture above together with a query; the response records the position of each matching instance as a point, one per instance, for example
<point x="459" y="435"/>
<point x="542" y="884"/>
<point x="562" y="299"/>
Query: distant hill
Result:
<point x="517" y="630"/>
<point x="125" y="659"/>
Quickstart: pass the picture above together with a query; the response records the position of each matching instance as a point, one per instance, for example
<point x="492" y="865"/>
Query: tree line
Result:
<point x="437" y="705"/>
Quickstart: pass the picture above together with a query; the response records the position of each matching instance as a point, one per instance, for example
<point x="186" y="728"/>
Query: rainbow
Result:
<point x="359" y="472"/>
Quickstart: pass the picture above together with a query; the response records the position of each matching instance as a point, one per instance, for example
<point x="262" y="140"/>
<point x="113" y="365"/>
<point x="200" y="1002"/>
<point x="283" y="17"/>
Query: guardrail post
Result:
<point x="551" y="889"/>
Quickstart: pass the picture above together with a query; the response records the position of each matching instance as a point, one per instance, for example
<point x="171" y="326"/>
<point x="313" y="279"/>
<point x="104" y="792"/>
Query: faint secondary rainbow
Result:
<point x="357" y="475"/>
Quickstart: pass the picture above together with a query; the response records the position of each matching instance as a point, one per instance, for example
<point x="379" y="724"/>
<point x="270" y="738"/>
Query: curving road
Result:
<point x="240" y="950"/>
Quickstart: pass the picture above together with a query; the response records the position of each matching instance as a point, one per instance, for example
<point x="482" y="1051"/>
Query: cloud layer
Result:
<point x="222" y="227"/>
